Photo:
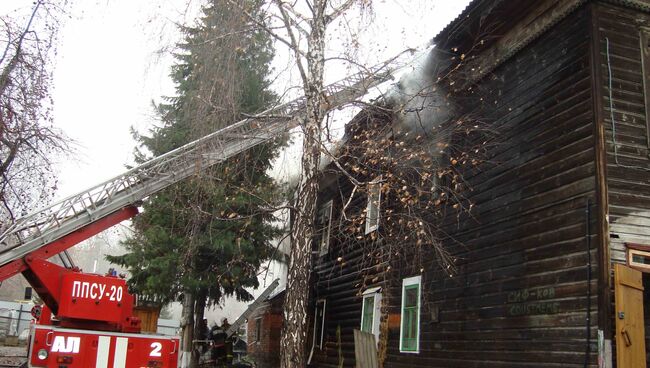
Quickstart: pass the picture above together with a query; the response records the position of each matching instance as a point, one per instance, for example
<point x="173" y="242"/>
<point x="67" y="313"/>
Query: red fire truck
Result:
<point x="87" y="320"/>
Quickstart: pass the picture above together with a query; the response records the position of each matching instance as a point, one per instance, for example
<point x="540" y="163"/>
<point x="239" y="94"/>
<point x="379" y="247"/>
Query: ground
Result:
<point x="12" y="356"/>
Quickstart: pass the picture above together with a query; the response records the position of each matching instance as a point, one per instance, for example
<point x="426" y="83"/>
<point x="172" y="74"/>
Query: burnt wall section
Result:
<point x="341" y="275"/>
<point x="520" y="294"/>
<point x="626" y="132"/>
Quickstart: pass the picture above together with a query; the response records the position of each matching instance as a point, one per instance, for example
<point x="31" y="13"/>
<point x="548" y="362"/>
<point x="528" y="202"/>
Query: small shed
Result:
<point x="264" y="329"/>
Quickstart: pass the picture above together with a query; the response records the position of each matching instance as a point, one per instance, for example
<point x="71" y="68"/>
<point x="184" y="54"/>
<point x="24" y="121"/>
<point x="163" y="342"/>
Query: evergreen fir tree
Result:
<point x="208" y="236"/>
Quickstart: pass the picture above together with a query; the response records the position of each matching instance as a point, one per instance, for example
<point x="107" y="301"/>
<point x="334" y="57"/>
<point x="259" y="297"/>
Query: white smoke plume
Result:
<point x="421" y="104"/>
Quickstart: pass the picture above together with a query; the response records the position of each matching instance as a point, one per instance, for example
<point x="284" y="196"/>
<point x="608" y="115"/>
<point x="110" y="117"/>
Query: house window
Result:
<point x="372" y="208"/>
<point x="639" y="258"/>
<point x="319" y="324"/>
<point x="258" y="329"/>
<point x="370" y="311"/>
<point x="325" y="222"/>
<point x="409" y="333"/>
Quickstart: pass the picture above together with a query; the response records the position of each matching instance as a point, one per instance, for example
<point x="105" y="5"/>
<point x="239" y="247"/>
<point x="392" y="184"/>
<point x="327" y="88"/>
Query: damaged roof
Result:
<point x="498" y="29"/>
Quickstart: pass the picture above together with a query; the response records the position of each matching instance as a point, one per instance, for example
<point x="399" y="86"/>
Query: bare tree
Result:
<point x="28" y="138"/>
<point x="419" y="187"/>
<point x="303" y="29"/>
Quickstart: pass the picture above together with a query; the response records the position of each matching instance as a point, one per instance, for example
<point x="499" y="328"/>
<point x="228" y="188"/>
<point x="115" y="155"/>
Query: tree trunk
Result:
<point x="199" y="331"/>
<point x="294" y="336"/>
<point x="187" y="325"/>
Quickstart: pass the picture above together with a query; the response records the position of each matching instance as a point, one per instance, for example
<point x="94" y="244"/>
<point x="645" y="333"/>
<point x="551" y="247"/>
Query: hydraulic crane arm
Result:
<point x="48" y="226"/>
<point x="19" y="265"/>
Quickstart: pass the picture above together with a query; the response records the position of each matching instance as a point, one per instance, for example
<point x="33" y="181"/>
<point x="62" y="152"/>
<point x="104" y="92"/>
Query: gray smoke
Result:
<point x="420" y="102"/>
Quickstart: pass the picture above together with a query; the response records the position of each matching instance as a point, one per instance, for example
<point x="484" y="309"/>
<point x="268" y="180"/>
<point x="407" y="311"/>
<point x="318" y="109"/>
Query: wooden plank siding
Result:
<point x="528" y="234"/>
<point x="526" y="289"/>
<point x="628" y="166"/>
<point x="339" y="277"/>
<point x="628" y="176"/>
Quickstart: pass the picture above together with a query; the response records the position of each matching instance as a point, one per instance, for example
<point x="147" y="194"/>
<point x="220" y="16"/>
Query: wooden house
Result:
<point x="550" y="264"/>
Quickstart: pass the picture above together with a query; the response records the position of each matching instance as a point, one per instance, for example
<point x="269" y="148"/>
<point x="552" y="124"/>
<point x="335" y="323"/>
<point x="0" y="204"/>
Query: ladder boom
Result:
<point x="48" y="224"/>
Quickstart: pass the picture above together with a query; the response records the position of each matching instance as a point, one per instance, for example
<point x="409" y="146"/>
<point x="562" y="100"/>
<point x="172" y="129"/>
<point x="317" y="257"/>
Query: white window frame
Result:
<point x="415" y="280"/>
<point x="322" y="324"/>
<point x="376" y="183"/>
<point x="376" y="314"/>
<point x="325" y="220"/>
<point x="322" y="329"/>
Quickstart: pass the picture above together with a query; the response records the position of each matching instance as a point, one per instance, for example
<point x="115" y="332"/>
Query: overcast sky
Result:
<point x="110" y="68"/>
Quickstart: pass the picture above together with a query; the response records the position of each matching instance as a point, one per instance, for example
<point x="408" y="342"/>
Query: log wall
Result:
<point x="520" y="297"/>
<point x="525" y="290"/>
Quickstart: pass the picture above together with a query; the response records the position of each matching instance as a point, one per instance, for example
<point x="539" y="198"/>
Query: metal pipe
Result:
<point x="588" y="320"/>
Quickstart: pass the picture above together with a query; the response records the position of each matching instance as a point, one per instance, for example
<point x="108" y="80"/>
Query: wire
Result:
<point x="611" y="114"/>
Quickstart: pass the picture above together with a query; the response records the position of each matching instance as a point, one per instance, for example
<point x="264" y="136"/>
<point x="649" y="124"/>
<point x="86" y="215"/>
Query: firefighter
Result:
<point x="228" y="342"/>
<point x="218" y="353"/>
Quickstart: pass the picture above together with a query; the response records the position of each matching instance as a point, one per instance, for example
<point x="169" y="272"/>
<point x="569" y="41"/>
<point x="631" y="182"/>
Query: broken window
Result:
<point x="372" y="209"/>
<point x="325" y="223"/>
<point x="319" y="324"/>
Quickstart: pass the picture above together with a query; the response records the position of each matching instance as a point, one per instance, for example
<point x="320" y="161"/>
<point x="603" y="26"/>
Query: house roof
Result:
<point x="497" y="29"/>
<point x="474" y="7"/>
<point x="489" y="32"/>
<point x="643" y="5"/>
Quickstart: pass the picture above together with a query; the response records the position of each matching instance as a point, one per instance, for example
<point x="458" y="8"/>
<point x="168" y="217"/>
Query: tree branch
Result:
<point x="296" y="45"/>
<point x="338" y="11"/>
<point x="265" y="27"/>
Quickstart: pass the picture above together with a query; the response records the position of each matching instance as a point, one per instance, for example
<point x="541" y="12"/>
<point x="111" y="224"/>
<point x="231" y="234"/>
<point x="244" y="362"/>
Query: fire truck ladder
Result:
<point x="251" y="308"/>
<point x="63" y="219"/>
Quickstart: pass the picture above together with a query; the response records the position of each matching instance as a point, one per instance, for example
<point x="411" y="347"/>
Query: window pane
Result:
<point x="410" y="316"/>
<point x="411" y="296"/>
<point x="368" y="314"/>
<point x="374" y="202"/>
<point x="405" y="323"/>
<point x="372" y="207"/>
<point x="637" y="258"/>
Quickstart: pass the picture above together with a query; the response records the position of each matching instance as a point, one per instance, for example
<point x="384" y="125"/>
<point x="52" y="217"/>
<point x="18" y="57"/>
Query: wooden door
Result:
<point x="630" y="332"/>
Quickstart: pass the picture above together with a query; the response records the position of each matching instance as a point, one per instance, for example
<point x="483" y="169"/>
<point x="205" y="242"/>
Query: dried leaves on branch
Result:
<point x="415" y="176"/>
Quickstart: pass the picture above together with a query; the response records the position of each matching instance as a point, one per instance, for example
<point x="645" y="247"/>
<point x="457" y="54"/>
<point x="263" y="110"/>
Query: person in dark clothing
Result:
<point x="218" y="336"/>
<point x="228" y="341"/>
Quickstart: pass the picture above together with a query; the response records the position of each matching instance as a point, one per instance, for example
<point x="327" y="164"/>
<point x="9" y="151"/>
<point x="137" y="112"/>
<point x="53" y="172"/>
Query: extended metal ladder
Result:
<point x="48" y="224"/>
<point x="251" y="308"/>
